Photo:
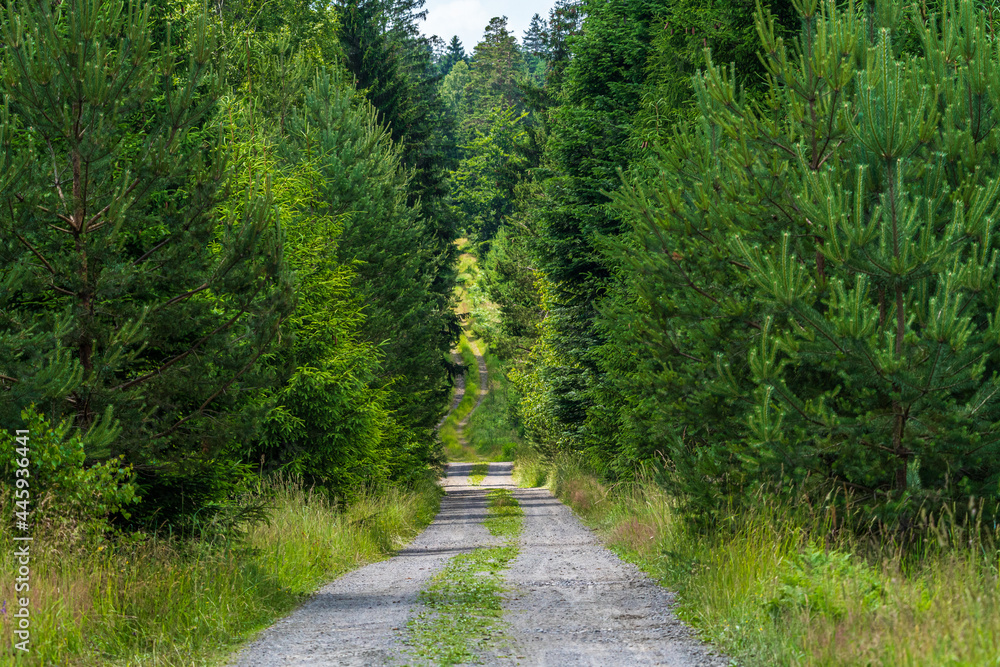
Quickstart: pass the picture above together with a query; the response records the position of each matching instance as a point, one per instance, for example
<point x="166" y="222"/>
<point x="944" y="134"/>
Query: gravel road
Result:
<point x="571" y="601"/>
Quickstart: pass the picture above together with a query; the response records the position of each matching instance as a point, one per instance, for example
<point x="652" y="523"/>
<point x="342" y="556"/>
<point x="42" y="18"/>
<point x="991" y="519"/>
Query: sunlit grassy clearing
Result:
<point x="187" y="602"/>
<point x="775" y="588"/>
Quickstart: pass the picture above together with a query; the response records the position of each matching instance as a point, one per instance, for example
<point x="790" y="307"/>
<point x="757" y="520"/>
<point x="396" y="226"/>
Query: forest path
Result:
<point x="484" y="388"/>
<point x="570" y="601"/>
<point x="361" y="617"/>
<point x="459" y="389"/>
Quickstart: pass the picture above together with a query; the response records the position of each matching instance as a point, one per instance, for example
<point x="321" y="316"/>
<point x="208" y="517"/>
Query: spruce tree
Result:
<point x="452" y="55"/>
<point x="496" y="67"/>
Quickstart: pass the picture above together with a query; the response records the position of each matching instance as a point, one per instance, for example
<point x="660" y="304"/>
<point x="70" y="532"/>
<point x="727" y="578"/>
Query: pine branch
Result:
<point x="211" y="398"/>
<point x="183" y="355"/>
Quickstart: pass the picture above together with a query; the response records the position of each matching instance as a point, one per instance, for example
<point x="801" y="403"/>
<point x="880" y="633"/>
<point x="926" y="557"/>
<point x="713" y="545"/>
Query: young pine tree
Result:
<point x="831" y="251"/>
<point x="131" y="297"/>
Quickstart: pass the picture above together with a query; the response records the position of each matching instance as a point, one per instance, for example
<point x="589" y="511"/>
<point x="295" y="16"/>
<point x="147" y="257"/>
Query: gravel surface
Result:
<point x="360" y="618"/>
<point x="571" y="601"/>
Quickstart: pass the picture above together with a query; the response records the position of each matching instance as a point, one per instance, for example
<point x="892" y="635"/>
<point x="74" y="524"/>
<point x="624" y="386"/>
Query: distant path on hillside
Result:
<point x="459" y="388"/>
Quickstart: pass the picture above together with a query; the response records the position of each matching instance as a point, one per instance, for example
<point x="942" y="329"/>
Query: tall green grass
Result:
<point x="777" y="586"/>
<point x="163" y="601"/>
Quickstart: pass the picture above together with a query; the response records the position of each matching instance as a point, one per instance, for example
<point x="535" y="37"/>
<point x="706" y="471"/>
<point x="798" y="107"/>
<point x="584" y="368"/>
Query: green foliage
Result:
<point x="493" y="429"/>
<point x="141" y="288"/>
<point x="815" y="271"/>
<point x="61" y="487"/>
<point x="495" y="69"/>
<point x="484" y="183"/>
<point x="409" y="313"/>
<point x="454" y="55"/>
<point x="811" y="581"/>
<point x="451" y="431"/>
<point x="453" y="87"/>
<point x="192" y="602"/>
<point x="359" y="180"/>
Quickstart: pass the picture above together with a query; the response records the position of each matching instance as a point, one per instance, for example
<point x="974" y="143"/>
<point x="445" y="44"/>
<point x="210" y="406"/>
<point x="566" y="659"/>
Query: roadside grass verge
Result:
<point x="449" y="431"/>
<point x="492" y="431"/>
<point x="173" y="602"/>
<point x="776" y="587"/>
<point x="463" y="604"/>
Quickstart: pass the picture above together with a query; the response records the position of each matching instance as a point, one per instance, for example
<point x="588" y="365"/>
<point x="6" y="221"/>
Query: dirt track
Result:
<point x="570" y="600"/>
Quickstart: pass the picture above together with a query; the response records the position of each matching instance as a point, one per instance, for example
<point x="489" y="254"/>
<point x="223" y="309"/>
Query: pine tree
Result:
<point x="454" y="54"/>
<point x="830" y="256"/>
<point x="139" y="296"/>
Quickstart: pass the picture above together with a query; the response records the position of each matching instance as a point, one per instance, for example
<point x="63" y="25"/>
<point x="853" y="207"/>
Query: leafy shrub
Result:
<point x="62" y="488"/>
<point x="816" y="580"/>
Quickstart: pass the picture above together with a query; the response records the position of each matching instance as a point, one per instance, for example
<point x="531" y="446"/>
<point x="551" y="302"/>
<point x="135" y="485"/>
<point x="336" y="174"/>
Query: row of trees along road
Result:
<point x="224" y="245"/>
<point x="745" y="247"/>
<point x="775" y="272"/>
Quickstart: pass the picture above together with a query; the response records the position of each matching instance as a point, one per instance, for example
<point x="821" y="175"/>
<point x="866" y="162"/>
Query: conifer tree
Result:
<point x="136" y="302"/>
<point x="830" y="256"/>
<point x="454" y="54"/>
<point x="120" y="272"/>
<point x="484" y="184"/>
<point x="536" y="49"/>
<point x="360" y="180"/>
<point x="496" y="67"/>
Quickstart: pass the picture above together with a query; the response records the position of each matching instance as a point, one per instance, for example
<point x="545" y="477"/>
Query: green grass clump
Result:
<point x="531" y="470"/>
<point x="162" y="601"/>
<point x="463" y="608"/>
<point x="505" y="516"/>
<point x="774" y="585"/>
<point x="463" y="605"/>
<point x="478" y="473"/>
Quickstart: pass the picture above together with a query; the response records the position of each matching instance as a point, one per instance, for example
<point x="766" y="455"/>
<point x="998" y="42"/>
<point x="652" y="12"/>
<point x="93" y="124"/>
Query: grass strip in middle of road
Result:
<point x="478" y="473"/>
<point x="463" y="605"/>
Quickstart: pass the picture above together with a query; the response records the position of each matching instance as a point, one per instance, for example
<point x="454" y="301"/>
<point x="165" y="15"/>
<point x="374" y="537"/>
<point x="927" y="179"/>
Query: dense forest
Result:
<point x="753" y="274"/>
<point x="744" y="252"/>
<point x="742" y="246"/>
